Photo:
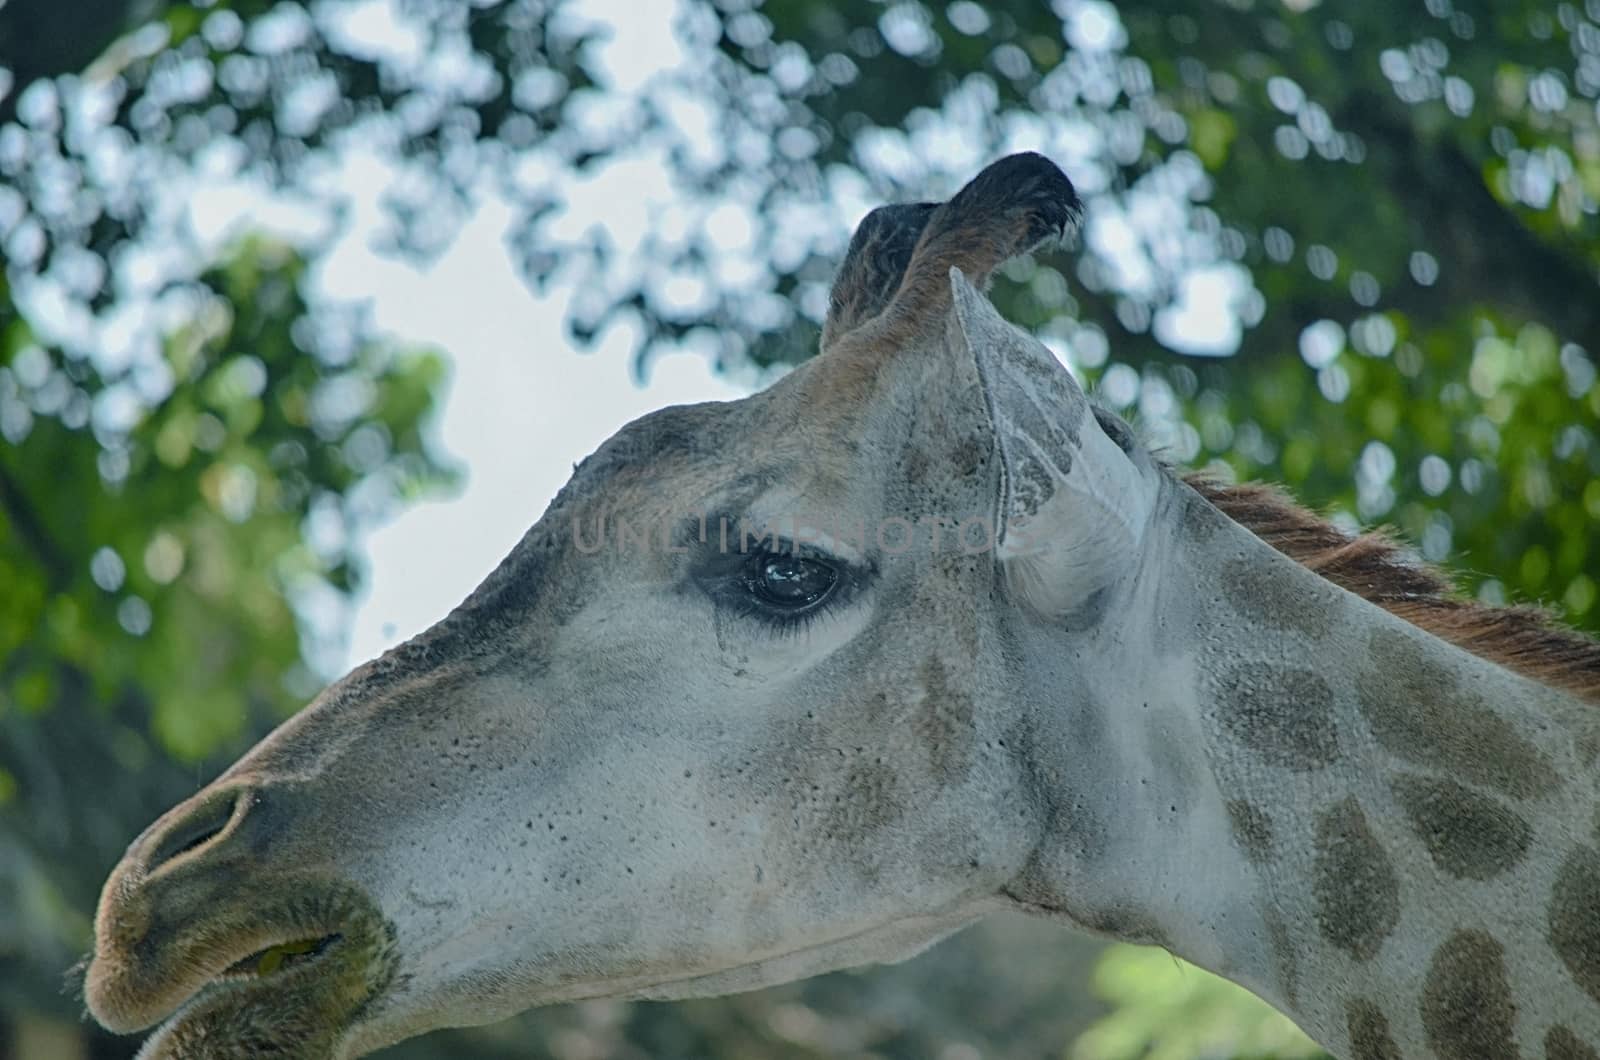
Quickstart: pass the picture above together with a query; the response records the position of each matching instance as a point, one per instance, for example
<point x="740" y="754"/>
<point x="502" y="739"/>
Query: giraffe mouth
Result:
<point x="261" y="969"/>
<point x="296" y="1000"/>
<point x="272" y="960"/>
<point x="273" y="999"/>
<point x="289" y="977"/>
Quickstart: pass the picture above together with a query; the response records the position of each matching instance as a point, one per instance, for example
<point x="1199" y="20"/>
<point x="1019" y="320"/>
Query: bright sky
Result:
<point x="523" y="407"/>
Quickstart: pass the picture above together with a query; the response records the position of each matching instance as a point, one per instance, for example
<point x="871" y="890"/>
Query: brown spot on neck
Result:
<point x="1419" y="711"/>
<point x="1263" y="598"/>
<point x="1372" y="566"/>
<point x="1562" y="1044"/>
<point x="1252" y="829"/>
<point x="1369" y="1032"/>
<point x="1357" y="891"/>
<point x="1467" y="1008"/>
<point x="1282" y="714"/>
<point x="1468" y="835"/>
<point x="1284" y="956"/>
<point x="1575" y="918"/>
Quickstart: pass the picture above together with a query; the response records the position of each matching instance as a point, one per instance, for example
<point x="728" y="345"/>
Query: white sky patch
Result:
<point x="523" y="406"/>
<point x="370" y="29"/>
<point x="1204" y="320"/>
<point x="223" y="211"/>
<point x="1091" y="25"/>
<point x="1110" y="232"/>
<point x="619" y="195"/>
<point x="638" y="41"/>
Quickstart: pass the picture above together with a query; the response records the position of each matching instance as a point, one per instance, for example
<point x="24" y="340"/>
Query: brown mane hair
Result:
<point x="1526" y="639"/>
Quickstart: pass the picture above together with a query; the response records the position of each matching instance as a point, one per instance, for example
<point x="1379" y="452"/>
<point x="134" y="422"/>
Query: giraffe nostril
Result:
<point x="203" y="824"/>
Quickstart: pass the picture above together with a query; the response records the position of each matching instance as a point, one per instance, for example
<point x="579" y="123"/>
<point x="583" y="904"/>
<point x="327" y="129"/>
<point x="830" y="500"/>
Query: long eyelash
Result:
<point x="784" y="625"/>
<point x="796" y="623"/>
<point x="720" y="570"/>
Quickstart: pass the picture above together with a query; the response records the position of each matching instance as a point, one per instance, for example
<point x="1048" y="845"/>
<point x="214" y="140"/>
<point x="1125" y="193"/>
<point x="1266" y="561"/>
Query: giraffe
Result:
<point x="814" y="678"/>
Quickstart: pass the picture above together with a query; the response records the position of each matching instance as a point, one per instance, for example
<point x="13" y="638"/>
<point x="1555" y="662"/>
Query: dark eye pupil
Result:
<point x="791" y="581"/>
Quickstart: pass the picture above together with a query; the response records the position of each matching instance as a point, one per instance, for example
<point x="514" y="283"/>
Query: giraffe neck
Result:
<point x="1393" y="841"/>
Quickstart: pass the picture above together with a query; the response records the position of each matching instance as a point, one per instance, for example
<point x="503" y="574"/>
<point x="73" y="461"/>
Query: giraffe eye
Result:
<point x="787" y="583"/>
<point x="775" y="583"/>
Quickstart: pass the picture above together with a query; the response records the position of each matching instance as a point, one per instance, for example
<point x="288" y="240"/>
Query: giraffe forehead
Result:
<point x="946" y="719"/>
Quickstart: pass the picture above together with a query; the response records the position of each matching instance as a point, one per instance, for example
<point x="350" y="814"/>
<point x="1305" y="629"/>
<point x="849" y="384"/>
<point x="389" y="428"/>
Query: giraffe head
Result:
<point x="740" y="708"/>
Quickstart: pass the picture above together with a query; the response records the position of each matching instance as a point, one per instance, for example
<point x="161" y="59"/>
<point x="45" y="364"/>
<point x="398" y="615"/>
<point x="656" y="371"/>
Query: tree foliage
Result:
<point x="1402" y="198"/>
<point x="1396" y="207"/>
<point x="159" y="520"/>
<point x="1383" y="216"/>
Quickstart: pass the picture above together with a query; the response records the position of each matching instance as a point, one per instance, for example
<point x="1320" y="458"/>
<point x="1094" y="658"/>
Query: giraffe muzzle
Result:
<point x="199" y="927"/>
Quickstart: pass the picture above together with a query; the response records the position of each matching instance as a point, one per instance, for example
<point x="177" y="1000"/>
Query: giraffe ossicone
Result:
<point x="678" y="763"/>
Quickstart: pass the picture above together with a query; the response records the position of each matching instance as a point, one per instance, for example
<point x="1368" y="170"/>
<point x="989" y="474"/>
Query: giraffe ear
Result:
<point x="873" y="266"/>
<point x="1073" y="505"/>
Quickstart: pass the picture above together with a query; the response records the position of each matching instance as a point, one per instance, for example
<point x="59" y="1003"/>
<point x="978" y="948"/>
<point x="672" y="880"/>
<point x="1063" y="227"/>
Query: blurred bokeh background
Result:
<point x="308" y="307"/>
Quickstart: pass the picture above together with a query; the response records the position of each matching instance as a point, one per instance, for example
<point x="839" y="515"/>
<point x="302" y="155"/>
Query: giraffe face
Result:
<point x="732" y="713"/>
<point x="684" y="746"/>
<point x="737" y="710"/>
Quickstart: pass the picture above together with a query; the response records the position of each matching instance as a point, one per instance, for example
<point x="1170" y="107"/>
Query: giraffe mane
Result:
<point x="1374" y="566"/>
